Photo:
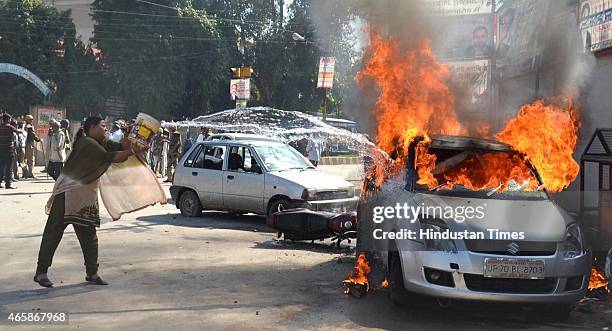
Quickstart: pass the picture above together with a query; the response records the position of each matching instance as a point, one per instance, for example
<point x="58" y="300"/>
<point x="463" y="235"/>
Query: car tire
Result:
<point x="397" y="293"/>
<point x="189" y="204"/>
<point x="280" y="205"/>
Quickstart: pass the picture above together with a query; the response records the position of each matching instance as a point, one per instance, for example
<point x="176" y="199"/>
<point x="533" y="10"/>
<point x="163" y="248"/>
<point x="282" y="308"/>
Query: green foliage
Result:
<point x="43" y="40"/>
<point x="167" y="62"/>
<point x="171" y="58"/>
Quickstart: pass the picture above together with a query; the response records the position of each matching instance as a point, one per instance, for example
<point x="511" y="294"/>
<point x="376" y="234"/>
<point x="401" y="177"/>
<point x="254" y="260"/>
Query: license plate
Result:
<point x="514" y="268"/>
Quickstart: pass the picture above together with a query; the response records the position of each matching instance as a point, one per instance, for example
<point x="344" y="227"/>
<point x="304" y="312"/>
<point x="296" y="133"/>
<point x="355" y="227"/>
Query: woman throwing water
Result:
<point x="75" y="197"/>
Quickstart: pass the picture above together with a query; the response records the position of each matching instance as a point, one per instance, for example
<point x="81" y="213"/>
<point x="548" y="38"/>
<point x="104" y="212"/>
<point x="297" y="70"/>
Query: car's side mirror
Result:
<point x="256" y="168"/>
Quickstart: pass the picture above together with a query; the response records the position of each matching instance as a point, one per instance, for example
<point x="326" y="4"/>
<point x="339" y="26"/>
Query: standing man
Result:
<point x="6" y="151"/>
<point x="57" y="151"/>
<point x="174" y="152"/>
<point x="164" y="153"/>
<point x="31" y="141"/>
<point x="16" y="144"/>
<point x="188" y="144"/>
<point x="23" y="135"/>
<point x="314" y="148"/>
<point x="204" y="133"/>
<point x="156" y="150"/>
<point x="65" y="125"/>
<point x="116" y="134"/>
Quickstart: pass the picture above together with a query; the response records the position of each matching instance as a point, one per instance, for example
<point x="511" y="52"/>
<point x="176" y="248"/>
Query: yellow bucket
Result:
<point x="144" y="129"/>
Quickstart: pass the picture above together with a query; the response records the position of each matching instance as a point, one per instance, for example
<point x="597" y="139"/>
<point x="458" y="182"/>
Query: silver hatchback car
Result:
<point x="260" y="176"/>
<point x="533" y="251"/>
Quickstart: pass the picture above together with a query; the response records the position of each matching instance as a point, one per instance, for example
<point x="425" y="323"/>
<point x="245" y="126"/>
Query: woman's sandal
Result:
<point x="95" y="281"/>
<point x="44" y="282"/>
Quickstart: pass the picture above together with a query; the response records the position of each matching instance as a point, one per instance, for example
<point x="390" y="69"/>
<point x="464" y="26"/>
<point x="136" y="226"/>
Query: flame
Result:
<point x="597" y="280"/>
<point x="547" y="135"/>
<point x="359" y="275"/>
<point x="384" y="284"/>
<point x="413" y="99"/>
<point x="492" y="171"/>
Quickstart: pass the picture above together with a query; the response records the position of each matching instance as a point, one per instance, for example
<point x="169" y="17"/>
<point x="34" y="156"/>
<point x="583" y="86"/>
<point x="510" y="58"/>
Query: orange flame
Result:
<point x="597" y="280"/>
<point x="359" y="275"/>
<point x="384" y="284"/>
<point x="414" y="98"/>
<point x="547" y="135"/>
<point x="477" y="172"/>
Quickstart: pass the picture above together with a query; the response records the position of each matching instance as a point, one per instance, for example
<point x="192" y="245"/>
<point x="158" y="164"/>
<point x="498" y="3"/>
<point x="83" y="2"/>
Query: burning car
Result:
<point x="532" y="251"/>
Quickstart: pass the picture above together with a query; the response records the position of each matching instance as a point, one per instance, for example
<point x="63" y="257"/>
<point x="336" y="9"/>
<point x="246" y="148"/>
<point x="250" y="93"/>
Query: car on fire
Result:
<point x="250" y="174"/>
<point x="550" y="264"/>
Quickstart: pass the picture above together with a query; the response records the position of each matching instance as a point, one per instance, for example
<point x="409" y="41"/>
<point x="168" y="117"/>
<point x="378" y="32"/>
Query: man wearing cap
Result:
<point x="116" y="134"/>
<point x="174" y="152"/>
<point x="31" y="140"/>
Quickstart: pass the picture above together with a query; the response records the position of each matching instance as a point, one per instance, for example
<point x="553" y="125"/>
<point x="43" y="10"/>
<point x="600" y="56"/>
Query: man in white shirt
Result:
<point x="57" y="151"/>
<point x="315" y="148"/>
<point x="116" y="134"/>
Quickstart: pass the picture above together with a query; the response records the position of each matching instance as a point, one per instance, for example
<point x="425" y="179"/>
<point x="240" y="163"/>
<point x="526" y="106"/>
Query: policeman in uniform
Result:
<point x="31" y="140"/>
<point x="156" y="151"/>
<point x="174" y="152"/>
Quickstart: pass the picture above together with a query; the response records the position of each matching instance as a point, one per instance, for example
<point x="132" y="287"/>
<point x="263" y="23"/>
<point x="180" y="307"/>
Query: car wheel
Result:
<point x="397" y="293"/>
<point x="280" y="205"/>
<point x="189" y="204"/>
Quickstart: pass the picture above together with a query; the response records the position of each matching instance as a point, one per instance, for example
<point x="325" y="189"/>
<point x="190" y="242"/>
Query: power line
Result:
<point x="180" y="38"/>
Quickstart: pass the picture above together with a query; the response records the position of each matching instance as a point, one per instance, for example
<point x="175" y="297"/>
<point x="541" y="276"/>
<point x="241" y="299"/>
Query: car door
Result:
<point x="207" y="171"/>
<point x="243" y="181"/>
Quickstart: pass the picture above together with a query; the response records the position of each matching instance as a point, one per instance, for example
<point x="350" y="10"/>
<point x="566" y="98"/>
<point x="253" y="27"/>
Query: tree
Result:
<point x="43" y="40"/>
<point x="166" y="61"/>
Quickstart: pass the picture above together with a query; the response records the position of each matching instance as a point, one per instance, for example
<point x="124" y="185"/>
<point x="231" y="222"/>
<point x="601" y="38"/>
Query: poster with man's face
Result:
<point x="464" y="37"/>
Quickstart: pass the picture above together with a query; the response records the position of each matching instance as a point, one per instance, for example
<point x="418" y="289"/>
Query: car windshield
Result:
<point x="279" y="157"/>
<point x="479" y="174"/>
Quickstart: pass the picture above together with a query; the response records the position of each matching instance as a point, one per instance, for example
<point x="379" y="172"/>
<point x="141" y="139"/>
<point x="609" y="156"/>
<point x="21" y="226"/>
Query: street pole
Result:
<point x="325" y="105"/>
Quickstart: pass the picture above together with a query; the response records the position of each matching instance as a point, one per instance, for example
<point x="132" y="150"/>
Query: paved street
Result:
<point x="215" y="272"/>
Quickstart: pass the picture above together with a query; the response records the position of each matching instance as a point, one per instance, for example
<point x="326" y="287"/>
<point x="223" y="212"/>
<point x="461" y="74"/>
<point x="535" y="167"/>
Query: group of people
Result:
<point x="17" y="145"/>
<point x="165" y="152"/>
<point x="168" y="147"/>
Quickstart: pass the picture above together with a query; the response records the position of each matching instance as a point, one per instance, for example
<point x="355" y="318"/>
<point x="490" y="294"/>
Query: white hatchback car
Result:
<point x="260" y="176"/>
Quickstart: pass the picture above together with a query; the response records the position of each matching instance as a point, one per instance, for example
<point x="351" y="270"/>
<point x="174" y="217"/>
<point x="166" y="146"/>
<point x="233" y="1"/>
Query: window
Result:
<point x="280" y="157"/>
<point x="241" y="160"/>
<point x="192" y="156"/>
<point x="210" y="157"/>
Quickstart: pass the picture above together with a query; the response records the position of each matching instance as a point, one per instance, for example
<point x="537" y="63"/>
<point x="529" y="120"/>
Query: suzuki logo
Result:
<point x="513" y="248"/>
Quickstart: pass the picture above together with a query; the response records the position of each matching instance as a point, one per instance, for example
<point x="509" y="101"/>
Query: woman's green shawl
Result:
<point x="90" y="159"/>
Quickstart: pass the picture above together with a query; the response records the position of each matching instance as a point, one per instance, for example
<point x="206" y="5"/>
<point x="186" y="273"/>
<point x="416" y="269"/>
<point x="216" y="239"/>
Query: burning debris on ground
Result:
<point x="358" y="282"/>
